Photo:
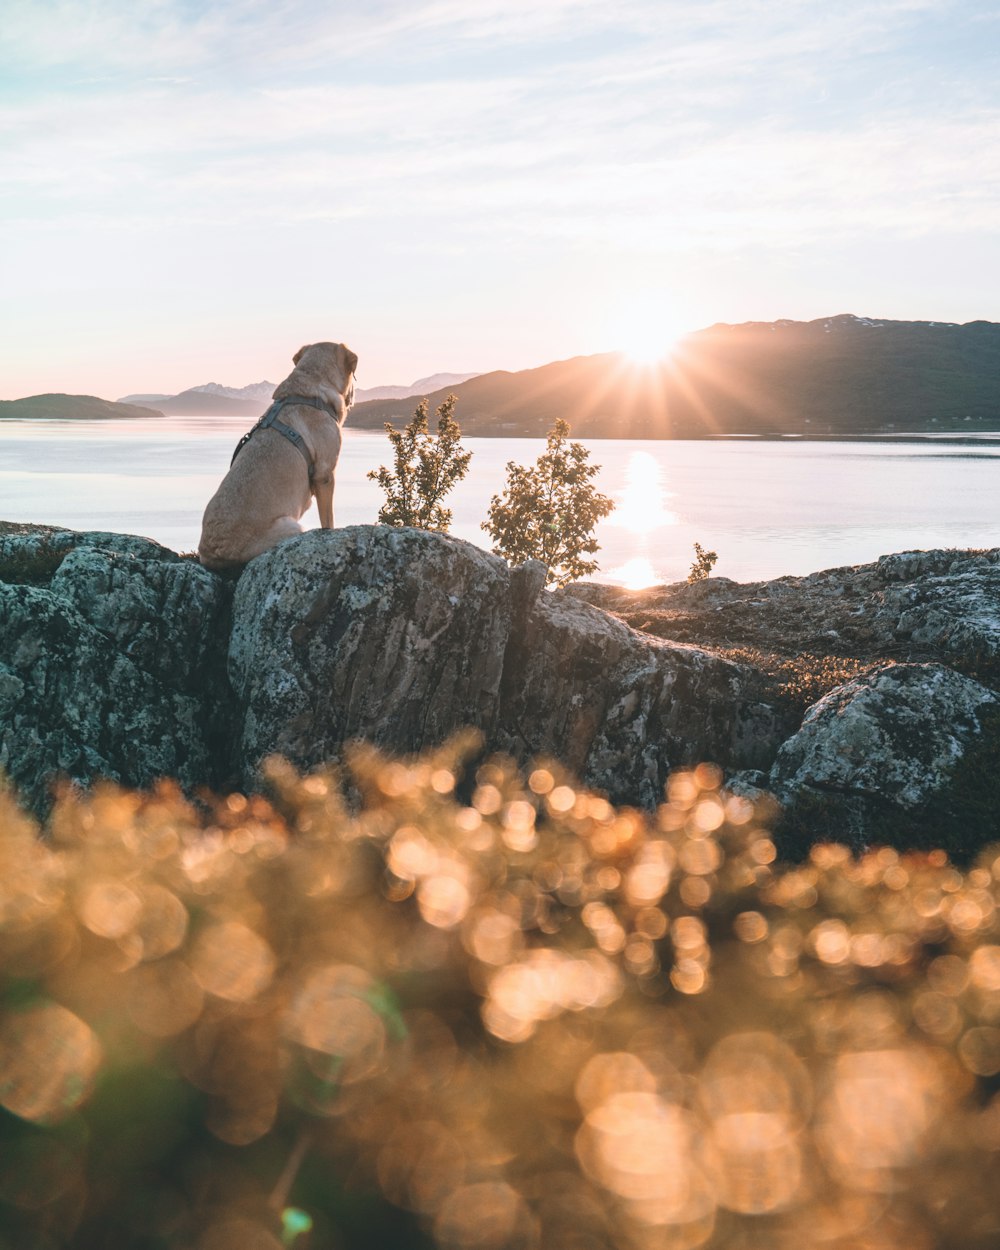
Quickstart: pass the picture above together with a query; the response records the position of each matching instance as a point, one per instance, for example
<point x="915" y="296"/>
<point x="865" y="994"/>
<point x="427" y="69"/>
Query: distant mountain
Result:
<point x="259" y="392"/>
<point x="422" y="386"/>
<point x="214" y="400"/>
<point x="198" y="403"/>
<point x="73" y="408"/>
<point x="836" y="376"/>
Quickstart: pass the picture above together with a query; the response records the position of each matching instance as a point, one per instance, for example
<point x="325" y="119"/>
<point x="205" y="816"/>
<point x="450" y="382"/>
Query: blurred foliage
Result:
<point x="425" y="468"/>
<point x="487" y="1012"/>
<point x="548" y="512"/>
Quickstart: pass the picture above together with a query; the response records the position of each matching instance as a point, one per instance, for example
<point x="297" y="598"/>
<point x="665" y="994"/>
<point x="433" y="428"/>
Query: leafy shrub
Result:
<point x="515" y="1018"/>
<point x="704" y="562"/>
<point x="426" y="468"/>
<point x="548" y="512"/>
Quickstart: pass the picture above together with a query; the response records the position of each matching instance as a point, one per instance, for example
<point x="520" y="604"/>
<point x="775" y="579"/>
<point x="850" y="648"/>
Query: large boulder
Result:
<point x="120" y="659"/>
<point x="903" y="755"/>
<point x="620" y="708"/>
<point x="945" y="603"/>
<point x="109" y="662"/>
<point x="396" y="636"/>
<point x="401" y="638"/>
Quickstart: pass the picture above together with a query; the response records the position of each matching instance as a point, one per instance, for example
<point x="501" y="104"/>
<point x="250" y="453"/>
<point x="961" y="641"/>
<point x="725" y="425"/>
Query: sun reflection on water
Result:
<point x="641" y="505"/>
<point x="641" y="508"/>
<point x="635" y="574"/>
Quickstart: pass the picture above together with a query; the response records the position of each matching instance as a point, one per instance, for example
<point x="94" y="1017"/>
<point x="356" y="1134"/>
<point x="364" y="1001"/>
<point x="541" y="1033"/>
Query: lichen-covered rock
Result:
<point x="114" y="654"/>
<point x="620" y="708"/>
<point x="942" y="602"/>
<point x="402" y="638"/>
<point x="916" y="605"/>
<point x="109" y="662"/>
<point x="164" y="616"/>
<point x="395" y="636"/>
<point x="904" y="755"/>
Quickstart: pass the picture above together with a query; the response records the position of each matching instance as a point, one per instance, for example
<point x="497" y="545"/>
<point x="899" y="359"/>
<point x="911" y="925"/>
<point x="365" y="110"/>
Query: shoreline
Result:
<point x="946" y="437"/>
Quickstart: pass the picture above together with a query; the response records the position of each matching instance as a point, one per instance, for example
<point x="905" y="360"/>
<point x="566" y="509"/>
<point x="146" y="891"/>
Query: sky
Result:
<point x="192" y="191"/>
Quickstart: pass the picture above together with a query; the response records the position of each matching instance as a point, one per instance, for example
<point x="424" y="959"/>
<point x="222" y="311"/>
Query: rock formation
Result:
<point x="119" y="658"/>
<point x="109" y="662"/>
<point x="918" y="605"/>
<point x="402" y="637"/>
<point x="896" y="755"/>
<point x="396" y="636"/>
<point x="899" y="753"/>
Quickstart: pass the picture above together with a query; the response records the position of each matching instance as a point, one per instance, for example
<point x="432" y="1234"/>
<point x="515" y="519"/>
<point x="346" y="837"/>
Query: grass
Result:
<point x="799" y="680"/>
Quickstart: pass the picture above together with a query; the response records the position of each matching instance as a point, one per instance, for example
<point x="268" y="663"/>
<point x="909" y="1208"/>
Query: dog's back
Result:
<point x="269" y="484"/>
<point x="258" y="503"/>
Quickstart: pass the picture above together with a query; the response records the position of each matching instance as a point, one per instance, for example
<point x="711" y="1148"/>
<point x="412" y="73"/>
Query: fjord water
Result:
<point x="767" y="507"/>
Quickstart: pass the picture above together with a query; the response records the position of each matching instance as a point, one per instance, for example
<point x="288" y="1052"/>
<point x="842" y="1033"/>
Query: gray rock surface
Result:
<point x="622" y="709"/>
<point x="402" y="637"/>
<point x="120" y="659"/>
<point x="898" y="755"/>
<point x="393" y="635"/>
<point x="108" y="664"/>
<point x="915" y="605"/>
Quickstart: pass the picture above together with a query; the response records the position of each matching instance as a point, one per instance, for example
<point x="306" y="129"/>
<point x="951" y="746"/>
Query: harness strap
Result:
<point x="269" y="421"/>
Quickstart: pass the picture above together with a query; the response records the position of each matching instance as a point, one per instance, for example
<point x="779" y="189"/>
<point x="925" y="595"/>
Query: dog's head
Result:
<point x="323" y="371"/>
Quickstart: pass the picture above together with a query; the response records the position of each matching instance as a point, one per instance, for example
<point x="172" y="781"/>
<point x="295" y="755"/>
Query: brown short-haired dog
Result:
<point x="289" y="456"/>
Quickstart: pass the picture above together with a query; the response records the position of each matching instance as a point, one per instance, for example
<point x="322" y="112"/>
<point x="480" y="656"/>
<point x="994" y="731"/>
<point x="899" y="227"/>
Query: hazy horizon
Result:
<point x="365" y="392"/>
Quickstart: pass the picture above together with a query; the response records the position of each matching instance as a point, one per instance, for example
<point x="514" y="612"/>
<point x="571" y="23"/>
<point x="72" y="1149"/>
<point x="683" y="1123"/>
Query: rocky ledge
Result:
<point x="121" y="659"/>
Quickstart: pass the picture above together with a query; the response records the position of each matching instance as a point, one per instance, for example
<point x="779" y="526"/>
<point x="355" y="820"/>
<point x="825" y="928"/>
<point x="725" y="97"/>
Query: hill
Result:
<point x="422" y="386"/>
<point x="73" y="408"/>
<point x="212" y="399"/>
<point x="834" y="377"/>
<point x="258" y="392"/>
<point x="196" y="403"/>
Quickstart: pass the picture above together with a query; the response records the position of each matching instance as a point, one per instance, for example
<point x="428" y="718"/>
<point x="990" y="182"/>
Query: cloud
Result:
<point x="703" y="125"/>
<point x="250" y="39"/>
<point x="197" y="146"/>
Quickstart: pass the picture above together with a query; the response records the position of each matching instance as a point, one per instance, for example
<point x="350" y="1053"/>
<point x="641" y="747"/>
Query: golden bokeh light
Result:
<point x="499" y="1009"/>
<point x="232" y="962"/>
<point x="48" y="1060"/>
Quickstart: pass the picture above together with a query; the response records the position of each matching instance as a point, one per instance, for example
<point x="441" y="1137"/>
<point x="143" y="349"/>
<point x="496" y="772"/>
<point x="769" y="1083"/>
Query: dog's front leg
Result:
<point x="323" y="488"/>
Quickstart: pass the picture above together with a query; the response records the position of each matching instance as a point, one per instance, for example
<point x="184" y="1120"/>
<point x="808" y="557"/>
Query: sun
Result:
<point x="648" y="345"/>
<point x="645" y="333"/>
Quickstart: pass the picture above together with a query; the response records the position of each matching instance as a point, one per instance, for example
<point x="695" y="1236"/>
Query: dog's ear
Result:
<point x="300" y="353"/>
<point x="350" y="360"/>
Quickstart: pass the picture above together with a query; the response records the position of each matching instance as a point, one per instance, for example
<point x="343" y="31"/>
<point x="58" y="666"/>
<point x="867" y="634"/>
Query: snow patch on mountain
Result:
<point x="255" y="390"/>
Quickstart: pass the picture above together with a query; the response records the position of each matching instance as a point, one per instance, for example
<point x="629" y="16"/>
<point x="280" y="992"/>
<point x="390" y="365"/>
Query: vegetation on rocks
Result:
<point x="485" y="1013"/>
<point x="26" y="564"/>
<point x="797" y="681"/>
<point x="426" y="467"/>
<point x="704" y="562"/>
<point x="548" y="512"/>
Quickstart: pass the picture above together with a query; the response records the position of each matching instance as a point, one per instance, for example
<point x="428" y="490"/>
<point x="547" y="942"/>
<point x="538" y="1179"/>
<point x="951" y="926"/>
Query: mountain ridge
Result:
<point x="55" y="406"/>
<point x="839" y="376"/>
<point x="213" y="399"/>
<point x="833" y="377"/>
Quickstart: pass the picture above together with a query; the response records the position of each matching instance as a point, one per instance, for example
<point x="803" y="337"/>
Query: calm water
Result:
<point x="767" y="508"/>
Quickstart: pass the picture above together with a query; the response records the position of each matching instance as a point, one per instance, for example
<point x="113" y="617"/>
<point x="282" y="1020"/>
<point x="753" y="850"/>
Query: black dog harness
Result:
<point x="269" y="421"/>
